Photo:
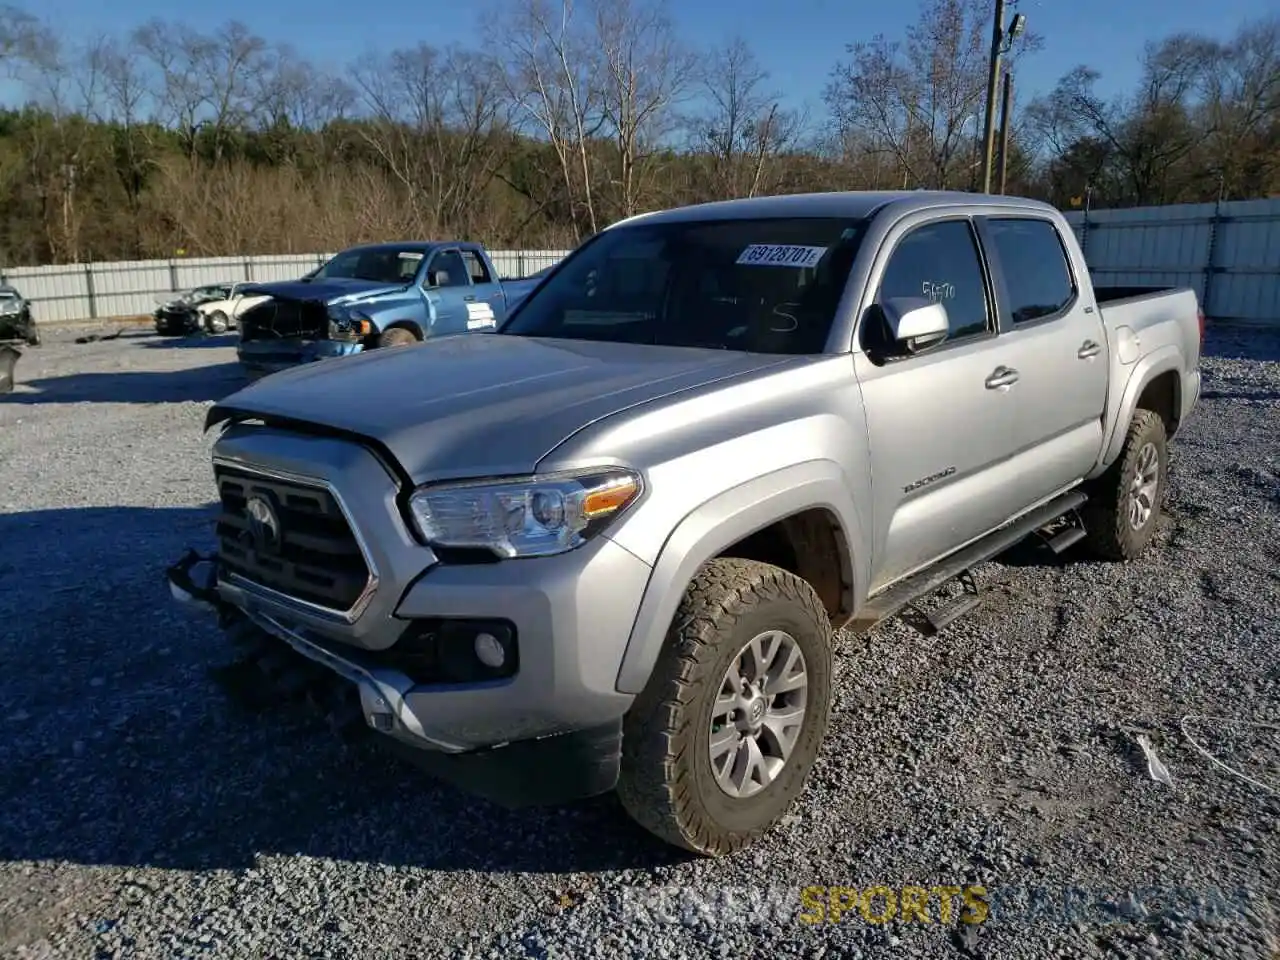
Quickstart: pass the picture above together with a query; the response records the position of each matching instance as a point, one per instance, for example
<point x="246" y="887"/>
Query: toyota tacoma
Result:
<point x="612" y="544"/>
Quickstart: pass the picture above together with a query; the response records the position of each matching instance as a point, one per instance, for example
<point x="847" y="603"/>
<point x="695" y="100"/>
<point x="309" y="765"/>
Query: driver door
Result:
<point x="940" y="437"/>
<point x="446" y="286"/>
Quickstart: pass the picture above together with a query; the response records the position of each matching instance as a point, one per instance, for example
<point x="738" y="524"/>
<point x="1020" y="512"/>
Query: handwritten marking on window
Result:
<point x="938" y="290"/>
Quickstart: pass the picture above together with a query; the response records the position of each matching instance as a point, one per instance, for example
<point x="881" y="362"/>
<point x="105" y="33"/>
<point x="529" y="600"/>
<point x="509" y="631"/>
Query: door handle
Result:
<point x="469" y="297"/>
<point x="1088" y="349"/>
<point x="1001" y="377"/>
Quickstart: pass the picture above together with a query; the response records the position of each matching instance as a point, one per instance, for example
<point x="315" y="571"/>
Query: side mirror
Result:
<point x="916" y="323"/>
<point x="438" y="278"/>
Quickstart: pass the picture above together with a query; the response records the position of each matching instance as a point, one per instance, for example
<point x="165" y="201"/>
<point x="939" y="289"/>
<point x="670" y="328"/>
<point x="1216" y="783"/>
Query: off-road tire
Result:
<point x="396" y="337"/>
<point x="1109" y="535"/>
<point x="666" y="783"/>
<point x="217" y="322"/>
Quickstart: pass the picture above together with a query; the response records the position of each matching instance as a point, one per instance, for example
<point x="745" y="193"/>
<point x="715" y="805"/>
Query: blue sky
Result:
<point x="797" y="40"/>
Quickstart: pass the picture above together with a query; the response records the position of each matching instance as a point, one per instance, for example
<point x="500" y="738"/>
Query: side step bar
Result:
<point x="904" y="593"/>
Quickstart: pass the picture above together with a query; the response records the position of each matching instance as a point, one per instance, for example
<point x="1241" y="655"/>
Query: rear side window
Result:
<point x="475" y="267"/>
<point x="940" y="262"/>
<point x="1035" y="268"/>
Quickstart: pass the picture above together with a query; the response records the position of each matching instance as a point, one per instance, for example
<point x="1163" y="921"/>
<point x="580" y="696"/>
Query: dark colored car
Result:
<point x="16" y="327"/>
<point x="16" y="322"/>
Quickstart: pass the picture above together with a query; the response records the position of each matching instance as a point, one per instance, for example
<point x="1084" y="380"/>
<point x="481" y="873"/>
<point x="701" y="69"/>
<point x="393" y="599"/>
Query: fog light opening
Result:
<point x="489" y="651"/>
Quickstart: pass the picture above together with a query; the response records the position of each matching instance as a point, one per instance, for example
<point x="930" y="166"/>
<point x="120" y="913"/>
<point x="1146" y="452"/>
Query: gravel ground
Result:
<point x="144" y="816"/>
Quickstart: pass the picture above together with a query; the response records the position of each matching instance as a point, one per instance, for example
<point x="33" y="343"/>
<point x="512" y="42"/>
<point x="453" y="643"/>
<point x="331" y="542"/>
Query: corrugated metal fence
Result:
<point x="89" y="291"/>
<point x="1229" y="253"/>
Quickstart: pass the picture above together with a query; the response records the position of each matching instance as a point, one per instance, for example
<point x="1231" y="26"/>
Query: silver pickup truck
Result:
<point x="610" y="545"/>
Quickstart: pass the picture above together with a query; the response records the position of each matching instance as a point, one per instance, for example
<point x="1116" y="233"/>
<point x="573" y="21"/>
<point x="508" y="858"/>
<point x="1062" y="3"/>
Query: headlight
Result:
<point x="528" y="517"/>
<point x="347" y="323"/>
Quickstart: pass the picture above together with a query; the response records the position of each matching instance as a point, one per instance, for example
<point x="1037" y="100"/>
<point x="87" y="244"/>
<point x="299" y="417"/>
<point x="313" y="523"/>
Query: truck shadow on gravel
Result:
<point x="198" y="384"/>
<point x="222" y="341"/>
<point x="119" y="748"/>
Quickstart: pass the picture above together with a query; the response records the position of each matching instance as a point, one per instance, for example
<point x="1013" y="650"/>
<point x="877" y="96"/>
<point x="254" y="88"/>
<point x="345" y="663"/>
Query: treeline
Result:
<point x="165" y="139"/>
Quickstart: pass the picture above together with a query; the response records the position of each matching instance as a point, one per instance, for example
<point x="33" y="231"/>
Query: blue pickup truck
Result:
<point x="376" y="295"/>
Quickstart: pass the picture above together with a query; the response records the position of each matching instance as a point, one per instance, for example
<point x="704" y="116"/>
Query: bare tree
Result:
<point x="744" y="126"/>
<point x="206" y="82"/>
<point x="121" y="102"/>
<point x="551" y="62"/>
<point x="438" y="123"/>
<point x="171" y="50"/>
<point x="1242" y="102"/>
<point x="921" y="102"/>
<point x="646" y="74"/>
<point x="1146" y="135"/>
<point x="294" y="95"/>
<point x="23" y="39"/>
<point x="60" y="151"/>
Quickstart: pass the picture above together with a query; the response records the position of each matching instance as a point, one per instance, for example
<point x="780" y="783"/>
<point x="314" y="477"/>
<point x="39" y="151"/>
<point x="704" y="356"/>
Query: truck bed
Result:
<point x="1110" y="294"/>
<point x="1143" y="307"/>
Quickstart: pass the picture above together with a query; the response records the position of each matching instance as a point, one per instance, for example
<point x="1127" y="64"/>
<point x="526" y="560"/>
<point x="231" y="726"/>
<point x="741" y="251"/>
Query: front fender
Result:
<point x="724" y="520"/>
<point x="401" y="313"/>
<point x="1161" y="360"/>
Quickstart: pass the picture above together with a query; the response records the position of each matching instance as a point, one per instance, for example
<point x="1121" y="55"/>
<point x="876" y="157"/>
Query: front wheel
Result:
<point x="396" y="337"/>
<point x="217" y="322"/>
<point x="720" y="742"/>
<point x="1125" y="502"/>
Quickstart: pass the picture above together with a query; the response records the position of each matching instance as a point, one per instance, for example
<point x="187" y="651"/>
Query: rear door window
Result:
<point x="1034" y="264"/>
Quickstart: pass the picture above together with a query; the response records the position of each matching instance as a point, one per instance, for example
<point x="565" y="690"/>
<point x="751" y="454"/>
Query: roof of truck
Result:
<point x="855" y="204"/>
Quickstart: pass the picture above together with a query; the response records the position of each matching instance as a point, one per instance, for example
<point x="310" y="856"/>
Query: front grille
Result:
<point x="315" y="556"/>
<point x="285" y="319"/>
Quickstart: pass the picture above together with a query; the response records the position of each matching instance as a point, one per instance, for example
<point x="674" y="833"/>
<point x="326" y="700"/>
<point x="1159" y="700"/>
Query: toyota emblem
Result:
<point x="264" y="525"/>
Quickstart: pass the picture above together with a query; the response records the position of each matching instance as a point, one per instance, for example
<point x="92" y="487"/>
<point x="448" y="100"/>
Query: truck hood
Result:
<point x="475" y="405"/>
<point x="327" y="291"/>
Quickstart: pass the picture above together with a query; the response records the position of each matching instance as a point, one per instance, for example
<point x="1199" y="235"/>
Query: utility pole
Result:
<point x="1006" y="107"/>
<point x="1001" y="43"/>
<point x="993" y="76"/>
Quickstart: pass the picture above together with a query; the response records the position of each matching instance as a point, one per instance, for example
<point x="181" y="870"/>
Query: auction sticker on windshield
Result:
<point x="780" y="255"/>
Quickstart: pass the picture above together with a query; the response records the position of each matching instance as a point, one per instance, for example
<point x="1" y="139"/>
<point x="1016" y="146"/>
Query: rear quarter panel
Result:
<point x="1149" y="336"/>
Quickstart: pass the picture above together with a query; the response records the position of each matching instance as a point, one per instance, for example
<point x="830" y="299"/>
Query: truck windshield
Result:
<point x="381" y="264"/>
<point x="761" y="286"/>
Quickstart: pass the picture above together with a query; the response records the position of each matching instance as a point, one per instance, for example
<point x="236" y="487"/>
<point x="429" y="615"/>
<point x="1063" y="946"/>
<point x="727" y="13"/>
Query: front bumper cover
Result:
<point x="270" y="356"/>
<point x="548" y="769"/>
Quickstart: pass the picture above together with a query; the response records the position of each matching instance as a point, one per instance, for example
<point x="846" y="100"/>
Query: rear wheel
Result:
<point x="720" y="742"/>
<point x="396" y="337"/>
<point x="1125" y="502"/>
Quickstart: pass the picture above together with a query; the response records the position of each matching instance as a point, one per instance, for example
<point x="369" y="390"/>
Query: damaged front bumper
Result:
<point x="269" y="356"/>
<point x="540" y="770"/>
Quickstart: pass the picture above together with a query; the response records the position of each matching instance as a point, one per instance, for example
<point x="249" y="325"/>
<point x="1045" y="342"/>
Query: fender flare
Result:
<point x="1163" y="360"/>
<point x="720" y="522"/>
